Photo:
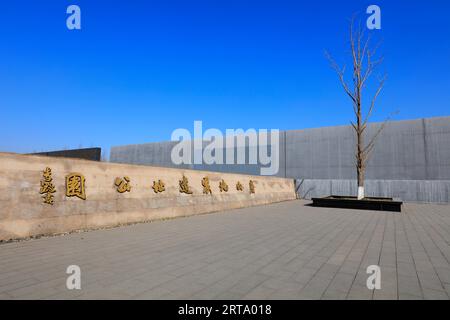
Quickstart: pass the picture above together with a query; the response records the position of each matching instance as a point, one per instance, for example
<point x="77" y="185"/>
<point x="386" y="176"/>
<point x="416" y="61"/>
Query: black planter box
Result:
<point x="369" y="203"/>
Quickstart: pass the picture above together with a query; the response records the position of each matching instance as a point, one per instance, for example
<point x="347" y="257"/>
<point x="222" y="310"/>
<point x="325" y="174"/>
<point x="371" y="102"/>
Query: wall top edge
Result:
<point x="282" y="132"/>
<point x="105" y="165"/>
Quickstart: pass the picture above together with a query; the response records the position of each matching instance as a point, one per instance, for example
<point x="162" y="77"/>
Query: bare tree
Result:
<point x="364" y="64"/>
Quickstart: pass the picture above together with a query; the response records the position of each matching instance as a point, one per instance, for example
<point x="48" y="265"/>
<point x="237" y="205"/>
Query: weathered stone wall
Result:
<point x="23" y="212"/>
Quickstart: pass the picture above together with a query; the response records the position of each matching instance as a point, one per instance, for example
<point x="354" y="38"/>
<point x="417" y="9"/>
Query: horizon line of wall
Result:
<point x="411" y="160"/>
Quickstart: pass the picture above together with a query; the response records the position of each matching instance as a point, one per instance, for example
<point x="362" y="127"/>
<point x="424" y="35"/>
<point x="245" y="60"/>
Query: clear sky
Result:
<point x="137" y="70"/>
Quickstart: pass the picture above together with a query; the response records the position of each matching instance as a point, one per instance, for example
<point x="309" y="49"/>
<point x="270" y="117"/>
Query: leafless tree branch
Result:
<point x="374" y="99"/>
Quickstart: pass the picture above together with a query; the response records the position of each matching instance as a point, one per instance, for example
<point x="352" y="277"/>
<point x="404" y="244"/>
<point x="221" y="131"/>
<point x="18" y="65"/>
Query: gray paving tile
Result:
<point x="281" y="251"/>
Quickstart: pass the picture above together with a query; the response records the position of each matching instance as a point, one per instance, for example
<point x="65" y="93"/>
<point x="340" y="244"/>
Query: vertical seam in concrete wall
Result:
<point x="285" y="155"/>
<point x="425" y="149"/>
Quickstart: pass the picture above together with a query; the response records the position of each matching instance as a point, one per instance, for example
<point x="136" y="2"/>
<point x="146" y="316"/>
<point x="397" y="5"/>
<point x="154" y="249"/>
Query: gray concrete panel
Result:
<point x="428" y="191"/>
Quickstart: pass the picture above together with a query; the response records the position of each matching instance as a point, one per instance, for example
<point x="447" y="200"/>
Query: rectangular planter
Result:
<point x="369" y="203"/>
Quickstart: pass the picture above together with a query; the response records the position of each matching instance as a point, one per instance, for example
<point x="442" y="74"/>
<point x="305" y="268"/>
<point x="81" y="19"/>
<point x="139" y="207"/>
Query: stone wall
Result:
<point x="23" y="212"/>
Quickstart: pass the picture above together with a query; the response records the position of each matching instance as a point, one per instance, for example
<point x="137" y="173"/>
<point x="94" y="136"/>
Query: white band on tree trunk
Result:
<point x="360" y="193"/>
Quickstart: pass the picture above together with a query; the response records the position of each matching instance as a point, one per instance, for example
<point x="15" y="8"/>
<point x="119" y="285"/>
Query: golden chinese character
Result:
<point x="48" y="198"/>
<point x="47" y="186"/>
<point x="206" y="186"/>
<point x="184" y="186"/>
<point x="223" y="186"/>
<point x="123" y="185"/>
<point x="239" y="186"/>
<point x="251" y="185"/>
<point x="75" y="186"/>
<point x="158" y="186"/>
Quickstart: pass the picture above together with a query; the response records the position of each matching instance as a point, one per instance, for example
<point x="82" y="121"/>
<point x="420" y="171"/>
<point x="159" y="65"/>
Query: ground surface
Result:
<point x="282" y="251"/>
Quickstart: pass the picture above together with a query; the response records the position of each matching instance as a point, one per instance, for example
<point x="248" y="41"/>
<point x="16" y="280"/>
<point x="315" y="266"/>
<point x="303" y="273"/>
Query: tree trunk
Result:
<point x="360" y="168"/>
<point x="360" y="165"/>
<point x="361" y="194"/>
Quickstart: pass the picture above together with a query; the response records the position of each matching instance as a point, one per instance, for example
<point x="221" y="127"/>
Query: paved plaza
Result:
<point x="282" y="251"/>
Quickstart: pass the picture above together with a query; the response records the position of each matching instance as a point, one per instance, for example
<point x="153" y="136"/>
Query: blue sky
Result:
<point x="137" y="70"/>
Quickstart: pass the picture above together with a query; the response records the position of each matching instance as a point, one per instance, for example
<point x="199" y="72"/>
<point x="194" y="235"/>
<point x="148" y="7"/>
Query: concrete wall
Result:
<point x="93" y="154"/>
<point x="405" y="152"/>
<point x="158" y="154"/>
<point x="430" y="191"/>
<point x="23" y="213"/>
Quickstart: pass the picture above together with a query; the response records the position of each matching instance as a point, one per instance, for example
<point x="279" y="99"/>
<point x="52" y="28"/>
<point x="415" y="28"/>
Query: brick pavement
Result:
<point x="282" y="251"/>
